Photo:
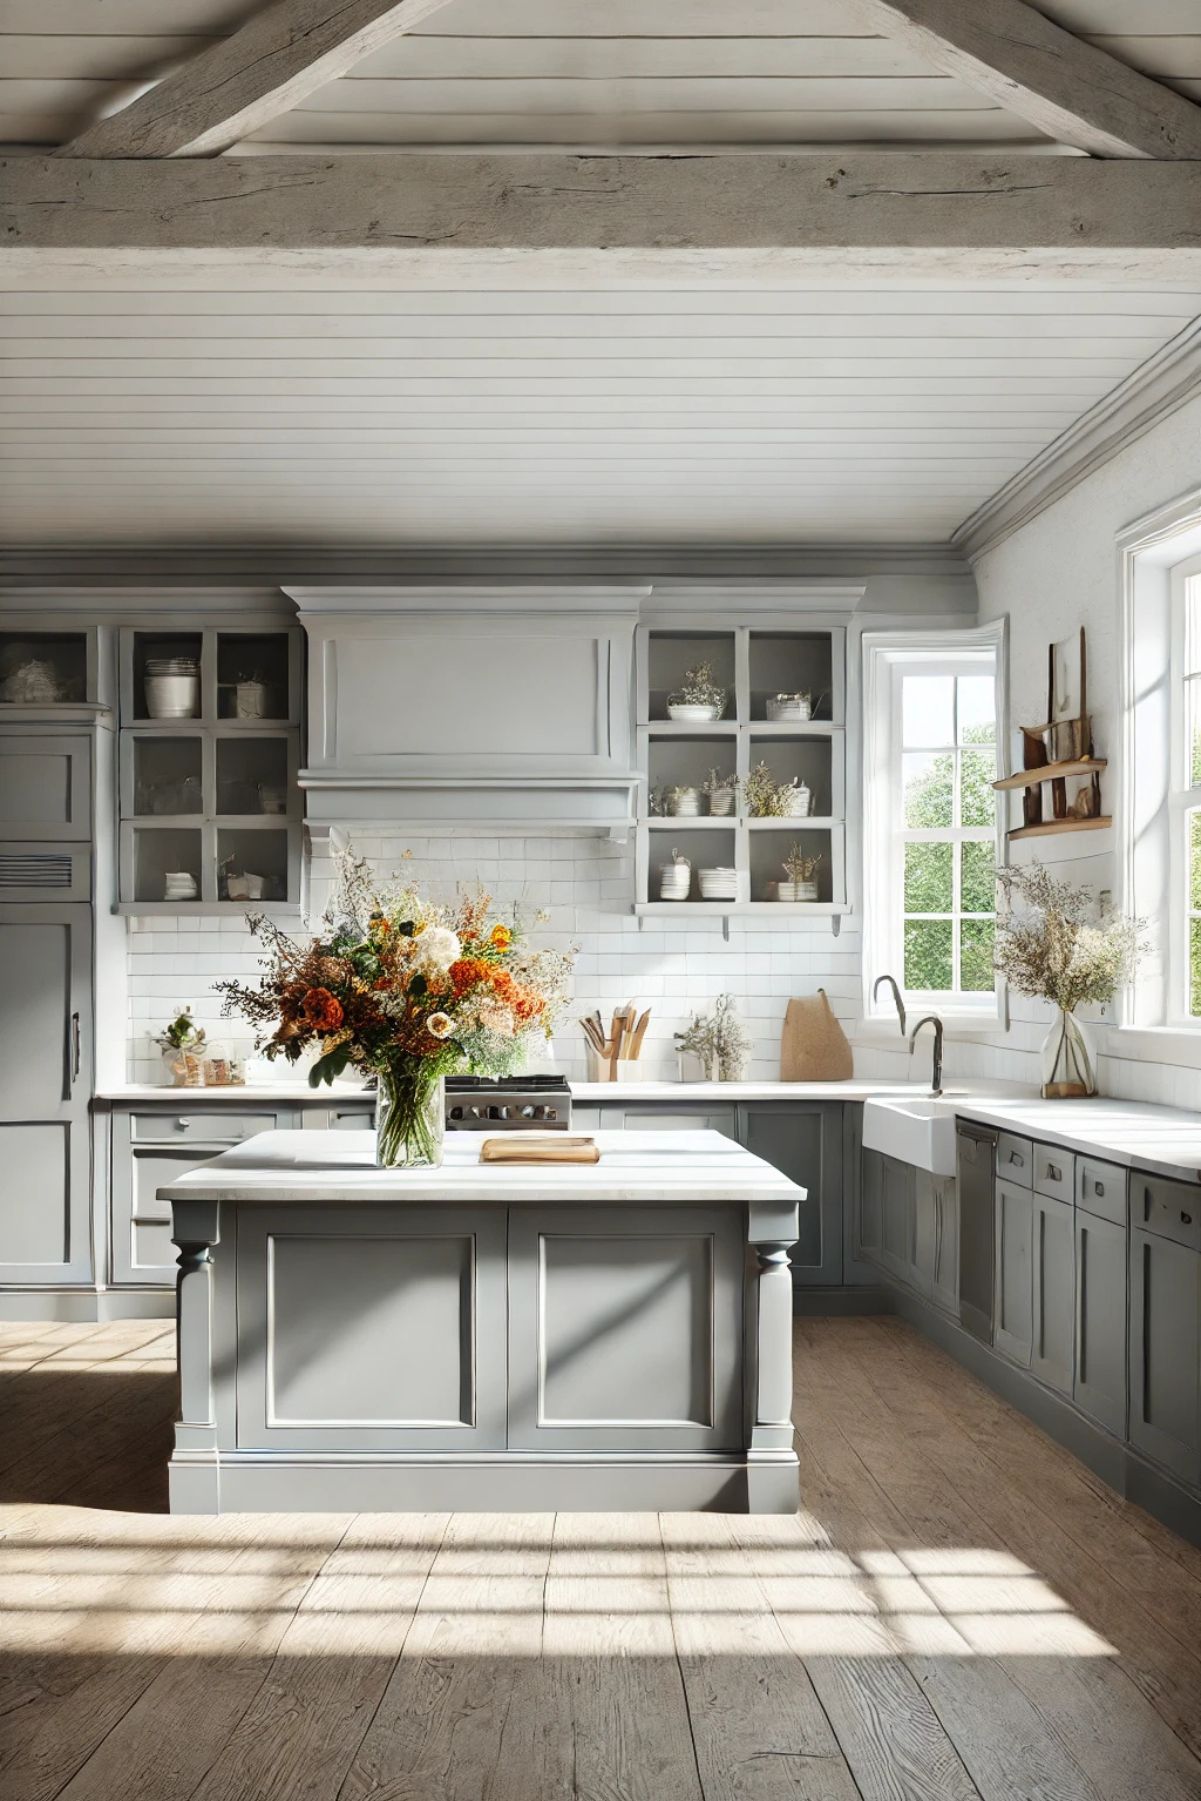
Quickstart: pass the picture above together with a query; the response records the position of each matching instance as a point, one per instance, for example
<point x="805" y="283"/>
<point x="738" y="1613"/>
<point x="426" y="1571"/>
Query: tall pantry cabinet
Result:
<point x="57" y="763"/>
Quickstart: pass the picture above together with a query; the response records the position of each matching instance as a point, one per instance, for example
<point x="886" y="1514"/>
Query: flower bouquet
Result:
<point x="407" y="991"/>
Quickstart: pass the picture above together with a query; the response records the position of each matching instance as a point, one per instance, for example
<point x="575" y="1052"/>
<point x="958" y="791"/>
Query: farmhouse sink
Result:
<point x="915" y="1129"/>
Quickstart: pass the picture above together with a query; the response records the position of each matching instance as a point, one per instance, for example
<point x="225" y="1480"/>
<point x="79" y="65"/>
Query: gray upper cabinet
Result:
<point x="804" y="1141"/>
<point x="45" y="787"/>
<point x="1099" y="1387"/>
<point x="1165" y="1323"/>
<point x="46" y="1020"/>
<point x="1053" y="1272"/>
<point x="376" y="1339"/>
<point x="624" y="1329"/>
<point x="1014" y="1295"/>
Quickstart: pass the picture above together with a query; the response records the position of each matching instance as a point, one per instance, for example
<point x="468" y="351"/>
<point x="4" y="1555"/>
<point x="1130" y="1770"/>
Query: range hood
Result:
<point x="496" y="708"/>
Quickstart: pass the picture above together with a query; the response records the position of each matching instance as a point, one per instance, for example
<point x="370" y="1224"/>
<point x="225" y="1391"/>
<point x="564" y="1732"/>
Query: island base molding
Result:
<point x="243" y="1482"/>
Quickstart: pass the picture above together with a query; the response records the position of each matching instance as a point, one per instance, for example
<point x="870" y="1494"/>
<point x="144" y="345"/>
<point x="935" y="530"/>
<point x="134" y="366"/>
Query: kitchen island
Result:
<point x="606" y="1336"/>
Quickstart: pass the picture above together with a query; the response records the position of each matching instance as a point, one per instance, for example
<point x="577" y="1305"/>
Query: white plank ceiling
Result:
<point x="581" y="72"/>
<point x="700" y="416"/>
<point x="324" y="414"/>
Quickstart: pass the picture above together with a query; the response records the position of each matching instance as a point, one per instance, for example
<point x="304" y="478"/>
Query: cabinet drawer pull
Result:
<point x="1098" y="1188"/>
<point x="76" y="1047"/>
<point x="1186" y="1219"/>
<point x="1054" y="1172"/>
<point x="1016" y="1157"/>
<point x="183" y="1125"/>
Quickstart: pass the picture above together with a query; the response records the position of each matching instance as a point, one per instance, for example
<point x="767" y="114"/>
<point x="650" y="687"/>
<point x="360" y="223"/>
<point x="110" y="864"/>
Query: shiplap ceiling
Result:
<point x="326" y="414"/>
<point x="573" y="72"/>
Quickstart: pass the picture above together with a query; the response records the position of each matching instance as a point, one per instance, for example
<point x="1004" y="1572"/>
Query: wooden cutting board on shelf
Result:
<point x="524" y="1147"/>
<point x="813" y="1046"/>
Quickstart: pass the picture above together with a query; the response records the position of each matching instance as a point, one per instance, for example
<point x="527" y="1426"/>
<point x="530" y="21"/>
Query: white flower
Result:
<point x="439" y="1025"/>
<point x="439" y="947"/>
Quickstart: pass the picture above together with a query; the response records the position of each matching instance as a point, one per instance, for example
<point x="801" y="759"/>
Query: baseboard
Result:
<point x="1117" y="1464"/>
<point x="828" y="1302"/>
<point x="86" y="1306"/>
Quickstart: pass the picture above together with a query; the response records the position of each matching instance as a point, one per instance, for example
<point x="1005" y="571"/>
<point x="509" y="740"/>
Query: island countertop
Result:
<point x="655" y="1167"/>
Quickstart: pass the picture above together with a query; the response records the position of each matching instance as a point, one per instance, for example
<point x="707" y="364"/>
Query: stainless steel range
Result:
<point x="508" y="1104"/>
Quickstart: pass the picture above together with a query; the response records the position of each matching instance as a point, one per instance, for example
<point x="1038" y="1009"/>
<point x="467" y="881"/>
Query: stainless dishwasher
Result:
<point x="976" y="1162"/>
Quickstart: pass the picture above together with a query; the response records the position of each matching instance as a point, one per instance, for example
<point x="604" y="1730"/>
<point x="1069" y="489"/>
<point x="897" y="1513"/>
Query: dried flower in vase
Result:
<point x="799" y="866"/>
<point x="700" y="692"/>
<point x="718" y="1040"/>
<point x="766" y="798"/>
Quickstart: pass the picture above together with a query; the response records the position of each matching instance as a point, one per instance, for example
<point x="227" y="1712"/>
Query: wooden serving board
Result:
<point x="524" y="1147"/>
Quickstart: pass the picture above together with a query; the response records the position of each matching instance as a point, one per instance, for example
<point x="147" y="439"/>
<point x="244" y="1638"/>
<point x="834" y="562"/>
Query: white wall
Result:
<point x="1057" y="573"/>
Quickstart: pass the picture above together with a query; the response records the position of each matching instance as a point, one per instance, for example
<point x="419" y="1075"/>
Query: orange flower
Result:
<point x="500" y="937"/>
<point x="468" y="972"/>
<point x="322" y="1010"/>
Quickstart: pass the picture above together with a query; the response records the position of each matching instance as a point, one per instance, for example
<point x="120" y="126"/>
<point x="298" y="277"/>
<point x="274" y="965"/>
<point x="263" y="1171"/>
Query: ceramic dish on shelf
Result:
<point x="720" y="884"/>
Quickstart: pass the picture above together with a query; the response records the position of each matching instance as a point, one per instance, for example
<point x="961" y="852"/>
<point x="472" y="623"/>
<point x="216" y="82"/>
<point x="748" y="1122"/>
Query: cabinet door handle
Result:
<point x="1186" y="1219"/>
<point x="76" y="1047"/>
<point x="183" y="1125"/>
<point x="1054" y="1173"/>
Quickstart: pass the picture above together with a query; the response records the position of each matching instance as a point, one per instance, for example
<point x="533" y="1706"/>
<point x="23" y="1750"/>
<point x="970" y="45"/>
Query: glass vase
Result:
<point x="410" y="1118"/>
<point x="1069" y="1060"/>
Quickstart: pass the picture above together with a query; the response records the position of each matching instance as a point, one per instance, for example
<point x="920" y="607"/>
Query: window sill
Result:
<point x="1158" y="1044"/>
<point x="879" y="1029"/>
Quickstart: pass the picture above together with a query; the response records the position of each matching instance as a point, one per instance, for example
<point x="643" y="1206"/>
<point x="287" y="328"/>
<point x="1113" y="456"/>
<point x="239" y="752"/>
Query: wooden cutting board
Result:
<point x="525" y="1147"/>
<point x="813" y="1046"/>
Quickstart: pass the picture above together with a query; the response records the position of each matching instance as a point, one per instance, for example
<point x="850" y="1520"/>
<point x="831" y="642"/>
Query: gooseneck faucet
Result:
<point x="896" y="995"/>
<point x="931" y="1019"/>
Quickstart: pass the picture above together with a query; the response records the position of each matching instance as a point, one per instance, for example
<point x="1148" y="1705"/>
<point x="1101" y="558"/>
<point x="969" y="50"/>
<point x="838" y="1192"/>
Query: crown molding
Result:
<point x="1155" y="390"/>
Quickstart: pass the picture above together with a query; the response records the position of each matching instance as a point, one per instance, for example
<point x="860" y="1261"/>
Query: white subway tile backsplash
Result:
<point x="675" y="966"/>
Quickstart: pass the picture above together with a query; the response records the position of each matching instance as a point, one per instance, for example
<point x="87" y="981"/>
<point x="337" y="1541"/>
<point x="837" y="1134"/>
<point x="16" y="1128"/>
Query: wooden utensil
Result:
<point x="615" y="1045"/>
<point x="635" y="1049"/>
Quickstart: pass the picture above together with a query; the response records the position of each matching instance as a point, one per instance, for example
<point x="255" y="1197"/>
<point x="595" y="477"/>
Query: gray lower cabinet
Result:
<point x="151" y="1147"/>
<point x="869" y="1228"/>
<point x="804" y="1140"/>
<point x="1053" y="1276"/>
<point x="1165" y="1350"/>
<point x="1013" y="1294"/>
<point x="374" y="1335"/>
<point x="898" y="1186"/>
<point x="625" y="1329"/>
<point x="649" y="1117"/>
<point x="1099" y="1387"/>
<point x="45" y="1141"/>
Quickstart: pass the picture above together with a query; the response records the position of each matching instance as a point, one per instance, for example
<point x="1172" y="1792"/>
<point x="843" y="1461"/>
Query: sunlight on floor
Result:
<point x="89" y="1582"/>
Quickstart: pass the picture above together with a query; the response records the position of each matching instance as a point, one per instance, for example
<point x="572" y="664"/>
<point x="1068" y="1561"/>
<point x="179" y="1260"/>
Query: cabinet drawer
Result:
<point x="1101" y="1189"/>
<point x="1054" y="1172"/>
<point x="1015" y="1161"/>
<point x="1169" y="1209"/>
<point x="212" y="1125"/>
<point x="351" y="1119"/>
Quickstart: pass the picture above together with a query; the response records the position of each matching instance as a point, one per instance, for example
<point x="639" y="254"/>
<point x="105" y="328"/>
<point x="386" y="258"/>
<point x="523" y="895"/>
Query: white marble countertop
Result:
<point x="658" y="1167"/>
<point x="1137" y="1134"/>
<point x="857" y="1089"/>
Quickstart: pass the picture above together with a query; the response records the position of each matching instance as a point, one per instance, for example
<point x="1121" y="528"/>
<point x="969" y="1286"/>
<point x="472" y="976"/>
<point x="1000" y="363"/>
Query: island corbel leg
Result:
<point x="772" y="1479"/>
<point x="194" y="1473"/>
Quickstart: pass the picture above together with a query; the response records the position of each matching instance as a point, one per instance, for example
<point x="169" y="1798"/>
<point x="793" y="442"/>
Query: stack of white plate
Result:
<point x="675" y="881"/>
<point x="179" y="885"/>
<point x="718" y="884"/>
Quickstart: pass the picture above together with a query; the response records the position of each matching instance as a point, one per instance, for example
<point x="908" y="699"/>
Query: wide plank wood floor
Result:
<point x="958" y="1610"/>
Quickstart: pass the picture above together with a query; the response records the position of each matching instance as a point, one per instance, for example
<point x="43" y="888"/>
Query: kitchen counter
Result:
<point x="1138" y="1134"/>
<point x="481" y="1337"/>
<point x="857" y="1089"/>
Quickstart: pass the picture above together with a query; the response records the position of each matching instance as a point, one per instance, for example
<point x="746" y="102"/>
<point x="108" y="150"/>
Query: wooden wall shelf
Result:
<point x="1050" y="826"/>
<point x="1052" y="772"/>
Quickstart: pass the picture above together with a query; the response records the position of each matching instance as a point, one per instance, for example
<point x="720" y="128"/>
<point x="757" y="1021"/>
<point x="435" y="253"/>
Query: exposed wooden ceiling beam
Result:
<point x="1073" y="91"/>
<point x="537" y="215"/>
<point x="239" y="85"/>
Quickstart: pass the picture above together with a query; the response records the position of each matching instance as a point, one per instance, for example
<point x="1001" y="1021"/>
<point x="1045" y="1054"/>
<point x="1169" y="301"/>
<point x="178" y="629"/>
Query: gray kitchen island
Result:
<point x="601" y="1337"/>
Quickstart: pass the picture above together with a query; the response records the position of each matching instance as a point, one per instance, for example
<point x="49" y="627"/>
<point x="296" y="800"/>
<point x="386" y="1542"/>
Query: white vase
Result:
<point x="721" y="802"/>
<point x="1069" y="1060"/>
<point x="686" y="803"/>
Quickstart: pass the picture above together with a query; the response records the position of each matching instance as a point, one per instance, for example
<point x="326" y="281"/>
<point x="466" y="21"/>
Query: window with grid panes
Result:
<point x="944" y="825"/>
<point x="1185" y="795"/>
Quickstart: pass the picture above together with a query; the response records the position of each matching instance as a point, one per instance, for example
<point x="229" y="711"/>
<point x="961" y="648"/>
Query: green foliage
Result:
<point x="328" y="1068"/>
<point x="928" y="954"/>
<point x="928" y="878"/>
<point x="976" y="941"/>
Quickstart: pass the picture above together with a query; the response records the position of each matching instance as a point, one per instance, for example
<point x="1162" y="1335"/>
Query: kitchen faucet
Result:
<point x="931" y="1019"/>
<point x="896" y="995"/>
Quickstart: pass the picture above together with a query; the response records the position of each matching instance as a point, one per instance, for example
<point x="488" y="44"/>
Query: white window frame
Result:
<point x="1156" y="556"/>
<point x="887" y="657"/>
<point x="1184" y="795"/>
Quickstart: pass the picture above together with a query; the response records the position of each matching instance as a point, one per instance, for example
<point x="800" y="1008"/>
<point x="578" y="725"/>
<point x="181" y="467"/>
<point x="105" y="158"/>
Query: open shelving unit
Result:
<point x="213" y="794"/>
<point x="753" y="663"/>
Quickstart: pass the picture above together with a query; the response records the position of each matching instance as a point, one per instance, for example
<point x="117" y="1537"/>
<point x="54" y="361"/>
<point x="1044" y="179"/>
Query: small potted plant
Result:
<point x="699" y="697"/>
<point x="721" y="792"/>
<point x="800" y="869"/>
<point x="766" y="798"/>
<point x="684" y="802"/>
<point x="181" y="1042"/>
<point x="714" y="1046"/>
